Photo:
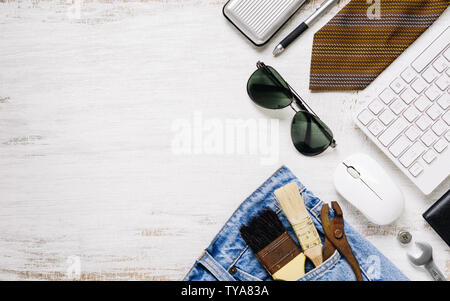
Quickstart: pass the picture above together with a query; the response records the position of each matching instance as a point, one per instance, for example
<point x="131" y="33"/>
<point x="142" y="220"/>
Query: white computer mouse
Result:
<point x="365" y="184"/>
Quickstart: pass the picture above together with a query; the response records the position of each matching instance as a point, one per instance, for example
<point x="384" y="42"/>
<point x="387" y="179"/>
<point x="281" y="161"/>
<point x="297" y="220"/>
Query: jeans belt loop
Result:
<point x="215" y="268"/>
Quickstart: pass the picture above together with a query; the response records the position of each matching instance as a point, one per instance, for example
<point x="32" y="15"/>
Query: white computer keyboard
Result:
<point x="410" y="119"/>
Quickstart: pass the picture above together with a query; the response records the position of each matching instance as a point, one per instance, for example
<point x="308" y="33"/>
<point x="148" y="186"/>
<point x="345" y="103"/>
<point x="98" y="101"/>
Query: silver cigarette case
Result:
<point x="259" y="20"/>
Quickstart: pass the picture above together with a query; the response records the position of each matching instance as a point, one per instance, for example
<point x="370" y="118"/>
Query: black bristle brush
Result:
<point x="274" y="247"/>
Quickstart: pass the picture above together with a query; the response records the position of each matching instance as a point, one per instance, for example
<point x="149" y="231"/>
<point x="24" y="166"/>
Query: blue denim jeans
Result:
<point x="228" y="258"/>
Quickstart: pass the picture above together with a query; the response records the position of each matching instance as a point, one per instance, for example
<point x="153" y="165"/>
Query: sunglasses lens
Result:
<point x="268" y="89"/>
<point x="309" y="134"/>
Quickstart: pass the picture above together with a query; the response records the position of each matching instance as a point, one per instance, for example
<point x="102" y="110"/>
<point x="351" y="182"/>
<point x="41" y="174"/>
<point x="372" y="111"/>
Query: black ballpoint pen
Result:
<point x="302" y="27"/>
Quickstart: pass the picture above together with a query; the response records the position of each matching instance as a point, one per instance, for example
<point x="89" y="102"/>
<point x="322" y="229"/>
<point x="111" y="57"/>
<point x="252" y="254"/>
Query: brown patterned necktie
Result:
<point x="357" y="45"/>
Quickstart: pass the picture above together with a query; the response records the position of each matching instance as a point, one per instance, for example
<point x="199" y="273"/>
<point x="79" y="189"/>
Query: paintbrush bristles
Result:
<point x="262" y="230"/>
<point x="291" y="202"/>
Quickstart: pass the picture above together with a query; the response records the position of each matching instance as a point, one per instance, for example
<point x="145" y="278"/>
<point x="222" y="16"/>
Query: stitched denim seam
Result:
<point x="249" y="277"/>
<point x="209" y="263"/>
<point x="364" y="272"/>
<point x="324" y="268"/>
<point x="334" y="263"/>
<point x="313" y="209"/>
<point x="223" y="273"/>
<point x="211" y="269"/>
<point x="238" y="256"/>
<point x="316" y="215"/>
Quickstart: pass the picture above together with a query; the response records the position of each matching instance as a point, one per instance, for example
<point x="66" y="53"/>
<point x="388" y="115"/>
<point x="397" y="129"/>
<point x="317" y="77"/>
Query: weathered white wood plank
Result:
<point x="88" y="99"/>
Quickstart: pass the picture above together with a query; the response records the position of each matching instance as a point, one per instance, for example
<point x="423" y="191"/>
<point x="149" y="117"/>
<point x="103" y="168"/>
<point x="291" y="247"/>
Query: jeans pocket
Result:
<point x="334" y="268"/>
<point x="241" y="275"/>
<point x="322" y="268"/>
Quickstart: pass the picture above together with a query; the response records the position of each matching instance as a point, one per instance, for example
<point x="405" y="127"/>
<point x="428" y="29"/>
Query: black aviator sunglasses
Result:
<point x="269" y="90"/>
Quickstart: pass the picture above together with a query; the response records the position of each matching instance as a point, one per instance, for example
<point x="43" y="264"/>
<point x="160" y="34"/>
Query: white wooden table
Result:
<point x="91" y="95"/>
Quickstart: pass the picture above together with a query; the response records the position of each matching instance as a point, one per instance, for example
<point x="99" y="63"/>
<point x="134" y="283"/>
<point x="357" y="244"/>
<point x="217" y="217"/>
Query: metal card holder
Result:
<point x="259" y="20"/>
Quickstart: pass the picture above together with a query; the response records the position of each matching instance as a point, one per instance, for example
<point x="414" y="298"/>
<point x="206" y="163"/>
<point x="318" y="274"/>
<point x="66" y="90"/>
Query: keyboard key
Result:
<point x="444" y="101"/>
<point x="412" y="154"/>
<point x="433" y="93"/>
<point x="446" y="117"/>
<point x="447" y="54"/>
<point x="424" y="122"/>
<point x="431" y="52"/>
<point x="365" y="117"/>
<point x="439" y="127"/>
<point x="411" y="113"/>
<point x="387" y="116"/>
<point x="398" y="106"/>
<point x="416" y="169"/>
<point x="447" y="136"/>
<point x="440" y="64"/>
<point x="412" y="133"/>
<point x="419" y="85"/>
<point x="429" y="156"/>
<point x="422" y="103"/>
<point x="408" y="95"/>
<point x="376" y="128"/>
<point x="408" y="75"/>
<point x="428" y="138"/>
<point x="393" y="131"/>
<point x="399" y="146"/>
<point x="430" y="74"/>
<point x="434" y="111"/>
<point x="376" y="106"/>
<point x="387" y="96"/>
<point x="441" y="145"/>
<point x="443" y="82"/>
<point x="398" y="85"/>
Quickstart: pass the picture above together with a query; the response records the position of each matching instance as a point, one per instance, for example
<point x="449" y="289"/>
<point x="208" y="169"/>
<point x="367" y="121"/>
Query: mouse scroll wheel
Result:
<point x="353" y="172"/>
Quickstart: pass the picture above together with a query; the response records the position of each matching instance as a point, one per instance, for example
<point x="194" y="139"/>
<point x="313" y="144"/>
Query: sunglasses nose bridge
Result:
<point x="292" y="106"/>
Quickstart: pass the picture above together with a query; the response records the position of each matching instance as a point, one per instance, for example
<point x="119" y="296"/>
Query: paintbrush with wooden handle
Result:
<point x="274" y="247"/>
<point x="294" y="208"/>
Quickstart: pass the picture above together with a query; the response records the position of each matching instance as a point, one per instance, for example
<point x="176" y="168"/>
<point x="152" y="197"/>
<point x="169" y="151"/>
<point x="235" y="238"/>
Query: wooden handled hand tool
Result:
<point x="294" y="207"/>
<point x="335" y="237"/>
<point x="275" y="249"/>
